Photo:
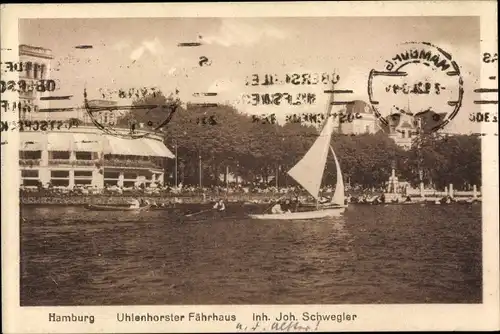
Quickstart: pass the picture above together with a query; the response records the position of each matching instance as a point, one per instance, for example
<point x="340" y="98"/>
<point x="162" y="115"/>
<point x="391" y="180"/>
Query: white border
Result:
<point x="370" y="317"/>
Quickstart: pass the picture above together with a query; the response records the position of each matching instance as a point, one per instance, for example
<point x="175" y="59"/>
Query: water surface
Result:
<point x="374" y="254"/>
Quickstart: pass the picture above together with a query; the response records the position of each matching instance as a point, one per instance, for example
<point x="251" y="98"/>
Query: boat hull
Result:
<point x="300" y="215"/>
<point x="115" y="208"/>
<point x="323" y="206"/>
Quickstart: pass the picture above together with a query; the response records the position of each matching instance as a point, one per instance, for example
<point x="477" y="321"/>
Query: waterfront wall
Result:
<point x="66" y="199"/>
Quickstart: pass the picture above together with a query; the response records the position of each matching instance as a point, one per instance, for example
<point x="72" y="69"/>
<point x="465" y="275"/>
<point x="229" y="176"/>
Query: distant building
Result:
<point x="403" y="129"/>
<point x="35" y="66"/>
<point x="367" y="123"/>
<point x="104" y="116"/>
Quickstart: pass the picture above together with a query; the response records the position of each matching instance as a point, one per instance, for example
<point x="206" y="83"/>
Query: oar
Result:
<point x="274" y="202"/>
<point x="196" y="213"/>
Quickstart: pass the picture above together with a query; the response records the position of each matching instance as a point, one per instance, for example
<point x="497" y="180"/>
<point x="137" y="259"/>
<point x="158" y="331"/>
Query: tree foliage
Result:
<point x="221" y="137"/>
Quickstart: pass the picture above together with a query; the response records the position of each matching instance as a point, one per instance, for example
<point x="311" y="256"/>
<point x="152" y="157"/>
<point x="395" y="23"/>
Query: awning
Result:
<point x="138" y="147"/>
<point x="87" y="142"/>
<point x="30" y="141"/>
<point x="60" y="141"/>
<point x="159" y="149"/>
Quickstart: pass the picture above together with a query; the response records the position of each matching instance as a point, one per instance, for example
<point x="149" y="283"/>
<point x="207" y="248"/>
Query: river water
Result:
<point x="373" y="254"/>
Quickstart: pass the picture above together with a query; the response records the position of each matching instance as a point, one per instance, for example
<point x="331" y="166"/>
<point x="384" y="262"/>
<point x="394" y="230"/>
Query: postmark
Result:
<point x="421" y="80"/>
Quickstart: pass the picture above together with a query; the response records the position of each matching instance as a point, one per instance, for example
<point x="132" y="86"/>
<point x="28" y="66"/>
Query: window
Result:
<point x="29" y="177"/>
<point x="60" y="182"/>
<point x="83" y="182"/>
<point x="29" y="68"/>
<point x="30" y="182"/>
<point x="59" y="174"/>
<point x="29" y="173"/>
<point x="111" y="175"/>
<point x="59" y="155"/>
<point x="84" y="155"/>
<point x="43" y="71"/>
<point x="36" y="70"/>
<point x="128" y="184"/>
<point x="83" y="173"/>
<point x="59" y="178"/>
<point x="30" y="155"/>
<point x="129" y="176"/>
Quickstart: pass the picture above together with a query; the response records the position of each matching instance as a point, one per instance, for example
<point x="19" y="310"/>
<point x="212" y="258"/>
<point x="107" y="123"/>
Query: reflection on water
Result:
<point x="374" y="254"/>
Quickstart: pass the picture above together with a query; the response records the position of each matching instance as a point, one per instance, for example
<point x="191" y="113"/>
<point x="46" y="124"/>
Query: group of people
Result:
<point x="138" y="203"/>
<point x="285" y="206"/>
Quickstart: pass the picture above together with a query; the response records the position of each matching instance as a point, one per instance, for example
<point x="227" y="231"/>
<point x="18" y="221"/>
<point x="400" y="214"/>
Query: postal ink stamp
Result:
<point x="421" y="80"/>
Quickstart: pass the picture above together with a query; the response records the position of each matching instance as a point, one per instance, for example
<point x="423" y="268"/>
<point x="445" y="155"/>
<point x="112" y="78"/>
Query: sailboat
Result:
<point x="308" y="172"/>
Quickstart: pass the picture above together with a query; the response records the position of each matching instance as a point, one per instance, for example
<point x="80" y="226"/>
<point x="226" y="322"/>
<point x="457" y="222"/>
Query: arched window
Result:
<point x="36" y="70"/>
<point x="29" y="68"/>
<point x="43" y="70"/>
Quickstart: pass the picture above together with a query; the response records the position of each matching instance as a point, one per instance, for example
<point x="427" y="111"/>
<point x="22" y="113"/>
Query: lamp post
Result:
<point x="176" y="163"/>
<point x="227" y="179"/>
<point x="277" y="174"/>
<point x="199" y="167"/>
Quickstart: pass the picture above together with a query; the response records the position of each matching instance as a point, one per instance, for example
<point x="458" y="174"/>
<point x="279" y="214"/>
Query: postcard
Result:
<point x="249" y="167"/>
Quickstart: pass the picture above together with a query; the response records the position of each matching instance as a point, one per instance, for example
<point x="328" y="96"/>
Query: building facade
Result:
<point x="82" y="155"/>
<point x="365" y="123"/>
<point x="85" y="156"/>
<point x="402" y="128"/>
<point x="35" y="65"/>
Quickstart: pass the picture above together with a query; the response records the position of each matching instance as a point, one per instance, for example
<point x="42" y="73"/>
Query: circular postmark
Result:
<point x="421" y="83"/>
<point x="119" y="121"/>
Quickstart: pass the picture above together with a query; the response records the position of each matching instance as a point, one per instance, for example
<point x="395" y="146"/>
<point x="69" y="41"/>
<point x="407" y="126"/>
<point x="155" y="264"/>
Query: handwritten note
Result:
<point x="279" y="326"/>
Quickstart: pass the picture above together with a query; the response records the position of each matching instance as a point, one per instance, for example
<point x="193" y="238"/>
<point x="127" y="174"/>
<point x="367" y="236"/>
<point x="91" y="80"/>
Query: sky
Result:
<point x="135" y="53"/>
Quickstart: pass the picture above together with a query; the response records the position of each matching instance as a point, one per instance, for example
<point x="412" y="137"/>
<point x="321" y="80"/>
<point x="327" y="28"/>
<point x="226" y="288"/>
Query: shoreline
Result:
<point x="81" y="200"/>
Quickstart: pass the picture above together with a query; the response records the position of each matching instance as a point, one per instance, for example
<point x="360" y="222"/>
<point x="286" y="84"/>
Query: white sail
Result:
<point x="338" y="196"/>
<point x="308" y="172"/>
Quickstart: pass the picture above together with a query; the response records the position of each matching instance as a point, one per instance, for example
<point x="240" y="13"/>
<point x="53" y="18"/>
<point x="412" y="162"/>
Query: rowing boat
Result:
<point x="115" y="208"/>
<point x="300" y="215"/>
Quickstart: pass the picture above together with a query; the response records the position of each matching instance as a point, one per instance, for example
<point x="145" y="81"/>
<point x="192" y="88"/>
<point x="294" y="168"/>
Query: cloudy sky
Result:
<point x="136" y="53"/>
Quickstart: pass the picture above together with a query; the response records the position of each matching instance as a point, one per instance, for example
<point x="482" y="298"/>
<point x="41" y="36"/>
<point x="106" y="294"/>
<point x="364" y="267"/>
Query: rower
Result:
<point x="135" y="203"/>
<point x="219" y="206"/>
<point x="287" y="206"/>
<point x="276" y="209"/>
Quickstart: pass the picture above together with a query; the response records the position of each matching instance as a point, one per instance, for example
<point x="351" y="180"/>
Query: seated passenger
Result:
<point x="135" y="203"/>
<point x="277" y="209"/>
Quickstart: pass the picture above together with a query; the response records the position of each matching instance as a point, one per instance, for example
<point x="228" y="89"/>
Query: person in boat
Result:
<point x="382" y="198"/>
<point x="219" y="206"/>
<point x="296" y="201"/>
<point x="276" y="209"/>
<point x="287" y="206"/>
<point x="135" y="203"/>
<point x="323" y="200"/>
<point x="446" y="200"/>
